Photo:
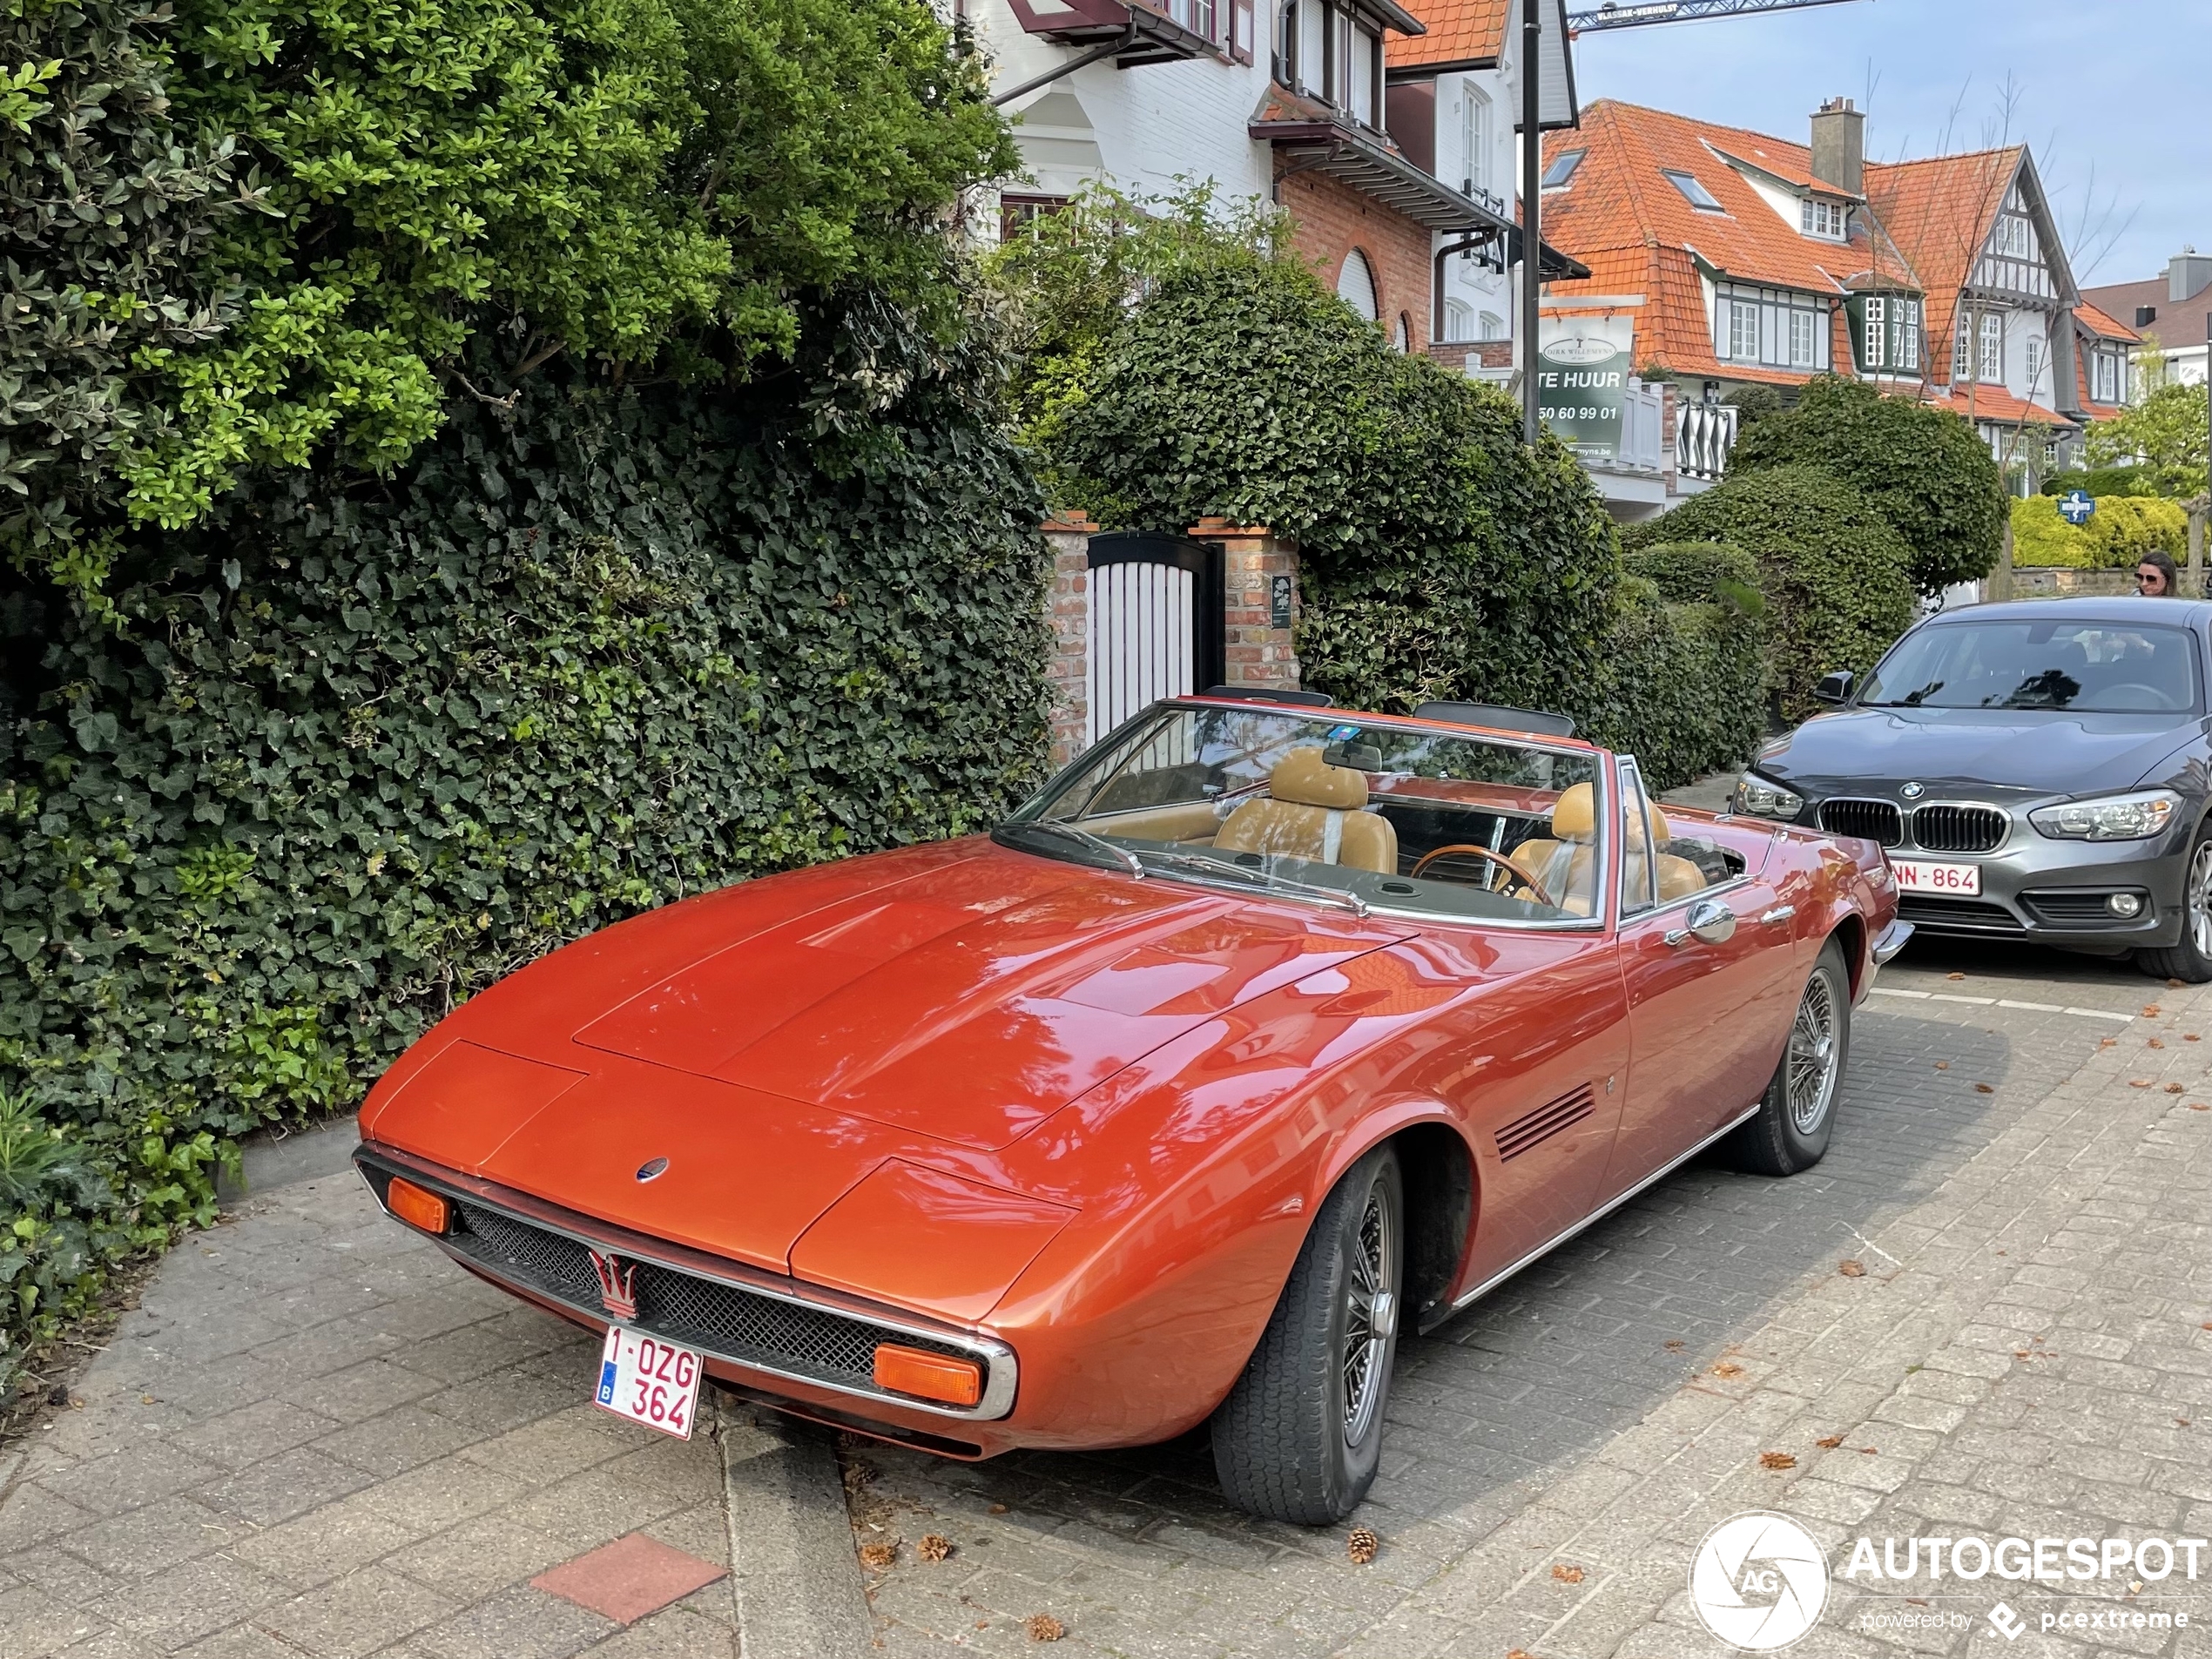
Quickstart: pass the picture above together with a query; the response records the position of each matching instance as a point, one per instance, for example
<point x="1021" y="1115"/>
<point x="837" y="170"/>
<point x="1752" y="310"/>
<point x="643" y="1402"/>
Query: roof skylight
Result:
<point x="1699" y="196"/>
<point x="1563" y="168"/>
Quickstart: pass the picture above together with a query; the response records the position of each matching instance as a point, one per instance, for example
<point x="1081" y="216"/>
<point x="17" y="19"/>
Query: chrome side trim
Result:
<point x="1604" y="1210"/>
<point x="1000" y="1369"/>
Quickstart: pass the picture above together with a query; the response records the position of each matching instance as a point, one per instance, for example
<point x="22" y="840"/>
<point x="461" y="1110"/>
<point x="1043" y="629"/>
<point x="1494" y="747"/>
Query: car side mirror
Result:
<point x="1834" y="688"/>
<point x="1710" y="922"/>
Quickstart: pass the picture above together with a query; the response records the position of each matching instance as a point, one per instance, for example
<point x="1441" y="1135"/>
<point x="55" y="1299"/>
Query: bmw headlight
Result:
<point x="1756" y="796"/>
<point x="2115" y="817"/>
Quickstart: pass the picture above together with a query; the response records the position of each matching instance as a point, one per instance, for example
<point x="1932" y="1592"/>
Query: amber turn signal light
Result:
<point x="930" y="1376"/>
<point x="416" y="1206"/>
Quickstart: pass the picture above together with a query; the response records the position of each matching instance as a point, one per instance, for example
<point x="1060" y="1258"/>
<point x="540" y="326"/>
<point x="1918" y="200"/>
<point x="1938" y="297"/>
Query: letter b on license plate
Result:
<point x="650" y="1382"/>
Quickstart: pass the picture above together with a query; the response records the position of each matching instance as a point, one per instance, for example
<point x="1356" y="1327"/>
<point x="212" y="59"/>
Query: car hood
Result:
<point x="969" y="1000"/>
<point x="2001" y="751"/>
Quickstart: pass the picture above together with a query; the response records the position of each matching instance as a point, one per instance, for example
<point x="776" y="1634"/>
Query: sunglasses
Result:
<point x="2144" y="578"/>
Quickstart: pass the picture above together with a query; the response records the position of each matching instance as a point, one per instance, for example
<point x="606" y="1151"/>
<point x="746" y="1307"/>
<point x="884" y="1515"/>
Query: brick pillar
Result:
<point x="1068" y="609"/>
<point x="1260" y="652"/>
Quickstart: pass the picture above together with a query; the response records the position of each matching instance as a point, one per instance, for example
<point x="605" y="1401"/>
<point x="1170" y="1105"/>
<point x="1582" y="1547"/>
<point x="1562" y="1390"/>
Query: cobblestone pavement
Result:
<point x="316" y="1436"/>
<point x="2028" y="1351"/>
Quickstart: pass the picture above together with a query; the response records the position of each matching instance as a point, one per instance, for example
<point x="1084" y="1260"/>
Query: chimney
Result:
<point x="2187" y="274"/>
<point x="1839" y="146"/>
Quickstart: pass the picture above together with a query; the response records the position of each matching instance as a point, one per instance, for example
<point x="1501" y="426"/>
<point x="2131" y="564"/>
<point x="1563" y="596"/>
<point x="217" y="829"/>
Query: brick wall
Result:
<point x="1333" y="219"/>
<point x="1259" y="653"/>
<point x="1068" y="608"/>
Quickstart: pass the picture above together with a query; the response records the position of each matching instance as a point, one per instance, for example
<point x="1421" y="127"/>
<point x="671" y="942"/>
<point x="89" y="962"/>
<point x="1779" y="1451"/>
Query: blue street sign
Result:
<point x="2076" y="505"/>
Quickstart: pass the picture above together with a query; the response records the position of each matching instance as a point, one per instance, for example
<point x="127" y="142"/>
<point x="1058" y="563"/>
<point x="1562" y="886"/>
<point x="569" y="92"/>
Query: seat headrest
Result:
<point x="1304" y="777"/>
<point x="1574" y="814"/>
<point x="1662" y="831"/>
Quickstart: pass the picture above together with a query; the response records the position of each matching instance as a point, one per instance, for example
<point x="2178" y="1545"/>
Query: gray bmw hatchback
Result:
<point x="2036" y="769"/>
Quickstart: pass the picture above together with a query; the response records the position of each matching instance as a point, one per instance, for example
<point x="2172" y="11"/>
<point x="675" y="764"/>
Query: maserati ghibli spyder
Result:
<point x="1264" y="1032"/>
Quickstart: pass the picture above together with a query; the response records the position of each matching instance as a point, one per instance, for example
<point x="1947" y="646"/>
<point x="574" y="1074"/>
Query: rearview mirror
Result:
<point x="1834" y="688"/>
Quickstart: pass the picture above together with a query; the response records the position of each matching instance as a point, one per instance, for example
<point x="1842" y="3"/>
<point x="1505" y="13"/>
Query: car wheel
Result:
<point x="2190" y="961"/>
<point x="1798" y="1113"/>
<point x="1299" y="1437"/>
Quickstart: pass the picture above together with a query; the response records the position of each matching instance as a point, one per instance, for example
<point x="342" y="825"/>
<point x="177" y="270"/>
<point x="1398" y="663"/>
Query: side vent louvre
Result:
<point x="1539" y="1126"/>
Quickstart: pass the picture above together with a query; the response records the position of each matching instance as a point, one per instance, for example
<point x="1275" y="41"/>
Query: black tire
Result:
<point x="1291" y="1443"/>
<point x="1791" y="1130"/>
<point x="2190" y="959"/>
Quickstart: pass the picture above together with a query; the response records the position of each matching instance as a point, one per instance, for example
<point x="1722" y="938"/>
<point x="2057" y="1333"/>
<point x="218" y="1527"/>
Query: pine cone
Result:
<point x="1042" y="1627"/>
<point x="878" y="1555"/>
<point x="934" y="1546"/>
<point x="1361" y="1546"/>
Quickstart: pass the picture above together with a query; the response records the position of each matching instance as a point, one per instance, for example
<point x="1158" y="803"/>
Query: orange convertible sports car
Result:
<point x="1265" y="1032"/>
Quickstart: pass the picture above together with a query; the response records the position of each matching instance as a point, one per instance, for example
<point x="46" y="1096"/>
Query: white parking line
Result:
<point x="2001" y="1002"/>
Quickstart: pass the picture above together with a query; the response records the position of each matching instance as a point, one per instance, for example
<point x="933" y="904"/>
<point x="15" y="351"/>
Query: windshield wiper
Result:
<point x="1199" y="866"/>
<point x="1120" y="855"/>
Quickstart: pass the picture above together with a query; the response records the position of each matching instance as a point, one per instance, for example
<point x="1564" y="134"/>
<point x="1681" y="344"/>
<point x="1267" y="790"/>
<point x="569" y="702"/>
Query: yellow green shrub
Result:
<point x="2121" y="531"/>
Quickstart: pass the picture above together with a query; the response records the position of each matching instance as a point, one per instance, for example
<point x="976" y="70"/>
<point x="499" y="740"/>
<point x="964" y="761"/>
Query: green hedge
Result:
<point x="2118" y="533"/>
<point x="1680" y="687"/>
<point x="2101" y="482"/>
<point x="360" y="751"/>
<point x="1834" y="574"/>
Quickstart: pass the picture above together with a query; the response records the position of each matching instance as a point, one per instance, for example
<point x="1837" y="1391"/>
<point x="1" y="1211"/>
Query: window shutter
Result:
<point x="1240" y="25"/>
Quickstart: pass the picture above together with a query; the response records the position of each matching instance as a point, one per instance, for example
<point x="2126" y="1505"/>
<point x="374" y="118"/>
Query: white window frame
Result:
<point x="1492" y="325"/>
<point x="1828" y="220"/>
<point x="1474" y="136"/>
<point x="1762" y="328"/>
<point x="1908" y="335"/>
<point x="1989" y="361"/>
<point x="2104" y="376"/>
<point x="1962" y="355"/>
<point x="1875" y="336"/>
<point x="2013" y="238"/>
<point x="1804" y="330"/>
<point x="2032" y="360"/>
<point x="1459" y="320"/>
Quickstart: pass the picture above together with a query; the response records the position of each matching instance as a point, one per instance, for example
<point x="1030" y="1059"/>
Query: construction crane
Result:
<point x="1643" y="13"/>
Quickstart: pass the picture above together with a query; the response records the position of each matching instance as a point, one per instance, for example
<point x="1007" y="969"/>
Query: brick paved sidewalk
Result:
<point x="317" y="1436"/>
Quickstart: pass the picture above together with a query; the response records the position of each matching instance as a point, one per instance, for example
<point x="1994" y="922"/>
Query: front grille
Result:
<point x="1960" y="829"/>
<point x="723" y="1319"/>
<point x="1872" y="821"/>
<point x="2079" y="910"/>
<point x="1957" y="915"/>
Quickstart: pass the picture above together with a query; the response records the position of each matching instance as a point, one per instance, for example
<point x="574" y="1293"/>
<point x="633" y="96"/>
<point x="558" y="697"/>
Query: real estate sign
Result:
<point x="1582" y="366"/>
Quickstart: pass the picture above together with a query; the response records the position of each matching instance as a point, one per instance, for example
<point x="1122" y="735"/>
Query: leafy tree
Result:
<point x="1834" y="575"/>
<point x="2166" y="433"/>
<point x="1921" y="467"/>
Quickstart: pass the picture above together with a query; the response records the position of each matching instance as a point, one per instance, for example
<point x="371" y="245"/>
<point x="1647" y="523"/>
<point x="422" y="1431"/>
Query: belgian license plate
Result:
<point x="1918" y="875"/>
<point x="650" y="1382"/>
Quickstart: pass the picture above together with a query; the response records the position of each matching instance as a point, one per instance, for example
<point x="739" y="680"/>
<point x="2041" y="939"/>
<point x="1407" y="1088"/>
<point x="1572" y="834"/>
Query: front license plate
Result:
<point x="650" y="1382"/>
<point x="1918" y="875"/>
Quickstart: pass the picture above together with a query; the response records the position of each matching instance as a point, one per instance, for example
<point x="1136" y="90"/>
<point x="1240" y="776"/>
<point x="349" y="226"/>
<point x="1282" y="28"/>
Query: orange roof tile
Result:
<point x="1460" y="31"/>
<point x="2102" y="324"/>
<point x="1993" y="403"/>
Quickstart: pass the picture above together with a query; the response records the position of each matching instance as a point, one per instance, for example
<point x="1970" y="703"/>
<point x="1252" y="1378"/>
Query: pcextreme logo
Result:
<point x="1759" y="1581"/>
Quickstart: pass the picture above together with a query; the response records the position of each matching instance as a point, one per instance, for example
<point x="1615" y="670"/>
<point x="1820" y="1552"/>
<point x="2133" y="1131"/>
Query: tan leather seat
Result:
<point x="1562" y="863"/>
<point x="1312" y="811"/>
<point x="1678" y="877"/>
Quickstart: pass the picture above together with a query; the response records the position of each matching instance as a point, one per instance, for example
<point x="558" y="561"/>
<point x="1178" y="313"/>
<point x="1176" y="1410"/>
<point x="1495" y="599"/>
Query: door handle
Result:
<point x="1710" y="922"/>
<point x="1779" y="914"/>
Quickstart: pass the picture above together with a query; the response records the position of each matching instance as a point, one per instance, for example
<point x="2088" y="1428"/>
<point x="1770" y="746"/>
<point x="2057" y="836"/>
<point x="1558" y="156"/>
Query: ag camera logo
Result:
<point x="1759" y="1581"/>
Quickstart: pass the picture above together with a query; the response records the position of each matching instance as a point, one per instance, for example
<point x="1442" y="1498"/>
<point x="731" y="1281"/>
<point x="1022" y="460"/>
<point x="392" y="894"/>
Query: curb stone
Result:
<point x="792" y="1572"/>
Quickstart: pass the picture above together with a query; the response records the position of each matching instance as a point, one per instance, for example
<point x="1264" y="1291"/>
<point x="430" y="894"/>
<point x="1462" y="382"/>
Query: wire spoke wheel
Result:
<point x="1369" y="1313"/>
<point x="1810" y="1079"/>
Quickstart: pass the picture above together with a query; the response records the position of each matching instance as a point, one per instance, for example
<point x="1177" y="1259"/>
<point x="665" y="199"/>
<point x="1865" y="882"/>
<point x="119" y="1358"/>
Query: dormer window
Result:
<point x="1695" y="193"/>
<point x="1562" y="169"/>
<point x="1826" y="220"/>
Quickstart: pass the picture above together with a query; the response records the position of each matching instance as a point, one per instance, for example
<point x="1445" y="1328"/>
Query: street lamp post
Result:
<point x="1531" y="230"/>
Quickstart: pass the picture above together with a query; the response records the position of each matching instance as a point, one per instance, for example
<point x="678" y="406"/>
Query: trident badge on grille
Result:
<point x="618" y="1284"/>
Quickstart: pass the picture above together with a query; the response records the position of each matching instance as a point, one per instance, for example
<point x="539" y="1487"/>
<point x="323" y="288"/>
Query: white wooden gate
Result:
<point x="1155" y="623"/>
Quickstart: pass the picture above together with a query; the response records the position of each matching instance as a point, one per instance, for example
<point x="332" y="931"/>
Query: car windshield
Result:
<point x="2100" y="667"/>
<point x="1360" y="814"/>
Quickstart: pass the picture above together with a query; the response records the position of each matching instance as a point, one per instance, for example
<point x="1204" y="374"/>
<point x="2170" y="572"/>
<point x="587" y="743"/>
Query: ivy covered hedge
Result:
<point x="359" y="750"/>
<point x="1836" y="577"/>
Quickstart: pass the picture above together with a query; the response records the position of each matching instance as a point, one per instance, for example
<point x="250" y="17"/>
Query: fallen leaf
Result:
<point x="1984" y="1088"/>
<point x="2156" y="1042"/>
<point x="2151" y="1012"/>
<point x="934" y="1546"/>
<point x="998" y="1509"/>
<point x="1727" y="1368"/>
<point x="1360" y="1545"/>
<point x="2172" y="1088"/>
<point x="2109" y="1043"/>
<point x="1777" y="1460"/>
<point x="2173" y="985"/>
<point x="2180" y="1422"/>
<point x="2191" y="1036"/>
<point x="1868" y="1451"/>
<point x="148" y="1399"/>
<point x="2020" y="1353"/>
<point x="1954" y="976"/>
<point x="1851" y="1270"/>
<point x="878" y="1555"/>
<point x="1516" y="1653"/>
<point x="982" y="1624"/>
<point x="1675" y="1344"/>
<point x="1943" y="1065"/>
<point x="2139" y="1082"/>
<point x="1567" y="1575"/>
<point x="1829" y="1442"/>
<point x="1042" y="1627"/>
<point x="2195" y="1106"/>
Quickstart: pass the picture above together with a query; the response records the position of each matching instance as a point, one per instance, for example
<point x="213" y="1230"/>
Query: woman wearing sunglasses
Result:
<point x="2156" y="577"/>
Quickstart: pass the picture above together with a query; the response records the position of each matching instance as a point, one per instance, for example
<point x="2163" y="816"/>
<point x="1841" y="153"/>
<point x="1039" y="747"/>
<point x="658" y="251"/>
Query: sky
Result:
<point x="2111" y="95"/>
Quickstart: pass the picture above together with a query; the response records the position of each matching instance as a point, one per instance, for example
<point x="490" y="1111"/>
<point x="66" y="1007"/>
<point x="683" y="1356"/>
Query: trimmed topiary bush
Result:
<point x="1681" y="684"/>
<point x="1922" y="469"/>
<point x="2118" y="533"/>
<point x="1834" y="573"/>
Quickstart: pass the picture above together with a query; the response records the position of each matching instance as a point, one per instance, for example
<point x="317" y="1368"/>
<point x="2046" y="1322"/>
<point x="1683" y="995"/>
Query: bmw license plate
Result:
<point x="1953" y="881"/>
<point x="650" y="1382"/>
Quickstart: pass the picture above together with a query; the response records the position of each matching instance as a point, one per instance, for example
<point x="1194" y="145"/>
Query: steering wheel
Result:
<point x="1525" y="879"/>
<point x="2158" y="701"/>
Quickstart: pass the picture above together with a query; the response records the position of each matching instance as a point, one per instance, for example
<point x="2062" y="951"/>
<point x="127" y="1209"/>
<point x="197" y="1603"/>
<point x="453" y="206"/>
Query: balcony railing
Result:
<point x="1704" y="434"/>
